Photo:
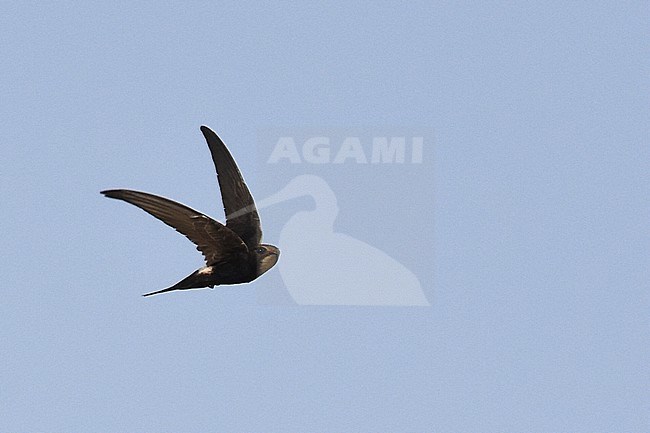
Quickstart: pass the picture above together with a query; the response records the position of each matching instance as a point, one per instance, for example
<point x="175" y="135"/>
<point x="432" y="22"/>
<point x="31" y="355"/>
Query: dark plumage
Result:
<point x="233" y="252"/>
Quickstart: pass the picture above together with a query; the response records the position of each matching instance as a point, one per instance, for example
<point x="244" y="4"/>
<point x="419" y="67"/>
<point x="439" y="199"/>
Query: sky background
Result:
<point x="526" y="223"/>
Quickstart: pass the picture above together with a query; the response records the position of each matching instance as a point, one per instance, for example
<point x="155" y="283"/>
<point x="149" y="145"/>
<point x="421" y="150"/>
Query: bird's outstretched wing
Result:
<point x="238" y="204"/>
<point x="216" y="241"/>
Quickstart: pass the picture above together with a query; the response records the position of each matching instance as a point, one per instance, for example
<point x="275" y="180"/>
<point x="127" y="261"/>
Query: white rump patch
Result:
<point x="206" y="270"/>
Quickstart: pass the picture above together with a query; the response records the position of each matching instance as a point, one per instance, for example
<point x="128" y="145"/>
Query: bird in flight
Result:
<point x="233" y="252"/>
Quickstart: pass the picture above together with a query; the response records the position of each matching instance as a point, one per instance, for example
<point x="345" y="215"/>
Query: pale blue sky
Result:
<point x="526" y="223"/>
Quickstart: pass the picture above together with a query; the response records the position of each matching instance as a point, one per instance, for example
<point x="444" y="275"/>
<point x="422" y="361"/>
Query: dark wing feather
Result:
<point x="213" y="239"/>
<point x="238" y="204"/>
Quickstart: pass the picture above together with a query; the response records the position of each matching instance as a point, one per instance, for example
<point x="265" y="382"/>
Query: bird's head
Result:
<point x="267" y="257"/>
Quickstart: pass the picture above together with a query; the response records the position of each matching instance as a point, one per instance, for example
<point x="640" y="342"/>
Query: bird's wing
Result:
<point x="213" y="239"/>
<point x="238" y="204"/>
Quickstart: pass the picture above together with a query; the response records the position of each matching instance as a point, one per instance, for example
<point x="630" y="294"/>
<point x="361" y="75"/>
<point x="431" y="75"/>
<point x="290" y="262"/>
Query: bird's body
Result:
<point x="233" y="252"/>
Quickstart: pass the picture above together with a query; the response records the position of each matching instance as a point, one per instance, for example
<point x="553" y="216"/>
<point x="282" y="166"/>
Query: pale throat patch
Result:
<point x="267" y="263"/>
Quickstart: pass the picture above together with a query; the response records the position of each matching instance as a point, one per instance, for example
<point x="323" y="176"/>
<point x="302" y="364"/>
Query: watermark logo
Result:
<point x="320" y="266"/>
<point x="322" y="263"/>
<point x="321" y="150"/>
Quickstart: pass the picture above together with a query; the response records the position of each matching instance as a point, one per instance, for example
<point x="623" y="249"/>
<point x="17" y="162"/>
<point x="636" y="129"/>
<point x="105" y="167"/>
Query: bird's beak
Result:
<point x="292" y="190"/>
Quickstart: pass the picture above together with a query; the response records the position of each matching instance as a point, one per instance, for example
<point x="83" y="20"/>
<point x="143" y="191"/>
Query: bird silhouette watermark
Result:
<point x="321" y="266"/>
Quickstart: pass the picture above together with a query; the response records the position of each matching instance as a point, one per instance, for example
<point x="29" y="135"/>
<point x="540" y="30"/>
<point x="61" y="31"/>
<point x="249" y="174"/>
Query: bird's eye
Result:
<point x="260" y="250"/>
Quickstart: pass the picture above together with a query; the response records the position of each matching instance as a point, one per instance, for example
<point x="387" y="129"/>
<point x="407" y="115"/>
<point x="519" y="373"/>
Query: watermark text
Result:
<point x="323" y="150"/>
